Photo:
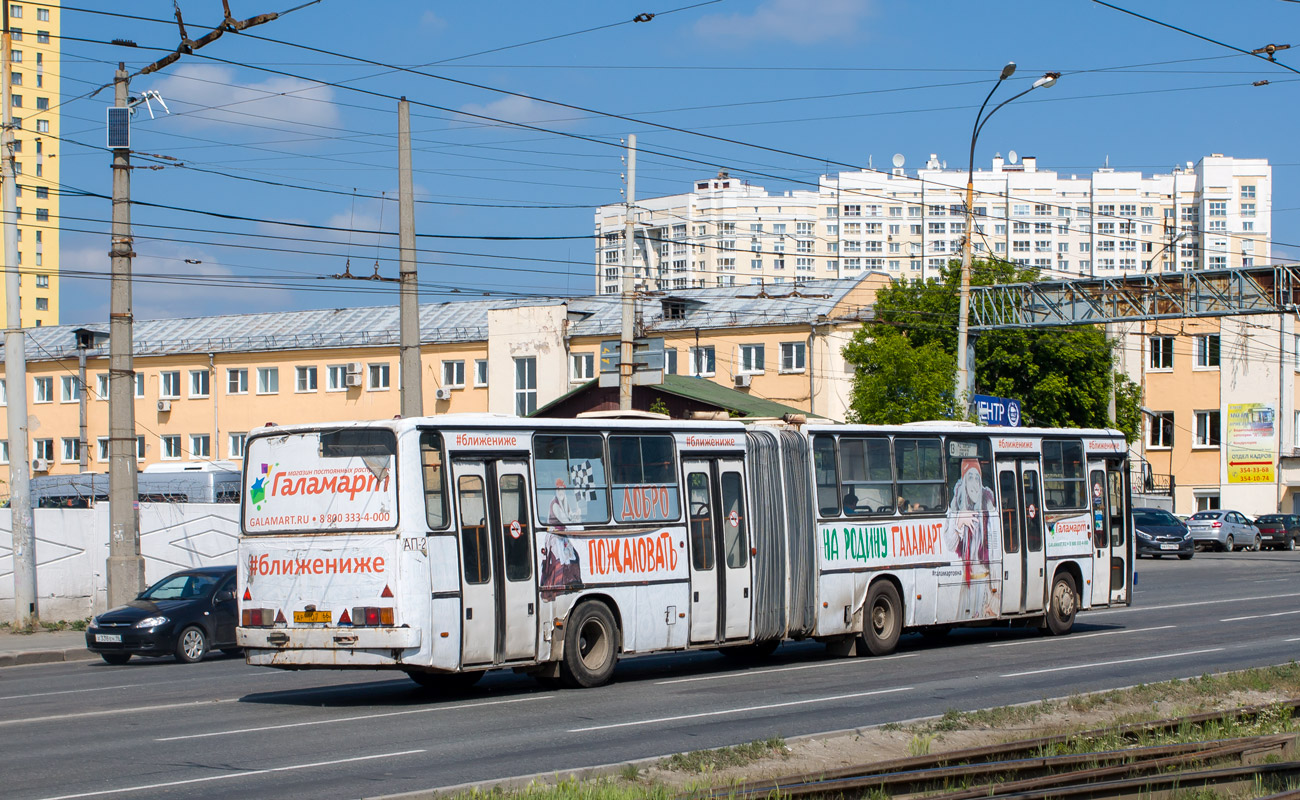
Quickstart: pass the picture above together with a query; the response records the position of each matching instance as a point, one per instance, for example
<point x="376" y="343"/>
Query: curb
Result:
<point x="23" y="657"/>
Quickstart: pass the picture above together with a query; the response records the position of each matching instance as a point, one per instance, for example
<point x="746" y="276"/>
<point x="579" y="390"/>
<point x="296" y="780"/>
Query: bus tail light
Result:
<point x="372" y="616"/>
<point x="258" y="617"/>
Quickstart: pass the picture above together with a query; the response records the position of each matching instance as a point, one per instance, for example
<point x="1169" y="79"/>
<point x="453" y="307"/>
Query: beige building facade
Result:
<point x="203" y="383"/>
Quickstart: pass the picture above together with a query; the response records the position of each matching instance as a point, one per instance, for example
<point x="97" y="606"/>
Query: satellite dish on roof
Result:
<point x="898" y="159"/>
<point x="1012" y="156"/>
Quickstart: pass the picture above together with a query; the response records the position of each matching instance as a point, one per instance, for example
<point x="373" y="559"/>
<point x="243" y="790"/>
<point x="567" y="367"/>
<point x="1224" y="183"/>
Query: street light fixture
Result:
<point x="964" y="378"/>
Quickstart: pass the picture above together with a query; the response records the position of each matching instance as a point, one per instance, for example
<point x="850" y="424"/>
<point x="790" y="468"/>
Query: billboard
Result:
<point x="1249" y="438"/>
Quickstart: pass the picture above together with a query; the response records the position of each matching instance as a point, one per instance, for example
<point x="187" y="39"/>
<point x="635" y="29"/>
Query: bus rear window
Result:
<point x="358" y="443"/>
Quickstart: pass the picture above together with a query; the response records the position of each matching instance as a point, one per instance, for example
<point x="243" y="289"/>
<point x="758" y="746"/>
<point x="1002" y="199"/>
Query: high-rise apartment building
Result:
<point x="34" y="76"/>
<point x="1209" y="215"/>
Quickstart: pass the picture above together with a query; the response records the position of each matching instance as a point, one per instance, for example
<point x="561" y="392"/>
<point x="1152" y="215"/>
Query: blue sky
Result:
<point x="829" y="81"/>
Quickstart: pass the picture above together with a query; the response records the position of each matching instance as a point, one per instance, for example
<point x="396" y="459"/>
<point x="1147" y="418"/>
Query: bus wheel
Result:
<point x="590" y="646"/>
<point x="883" y="622"/>
<point x="1063" y="604"/>
<point x="445" y="681"/>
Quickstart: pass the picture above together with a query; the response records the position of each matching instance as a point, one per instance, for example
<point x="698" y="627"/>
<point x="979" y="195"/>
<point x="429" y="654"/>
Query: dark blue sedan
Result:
<point x="185" y="615"/>
<point x="1159" y="533"/>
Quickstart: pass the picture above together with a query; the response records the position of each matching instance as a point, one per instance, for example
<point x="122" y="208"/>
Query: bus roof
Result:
<point x="504" y="421"/>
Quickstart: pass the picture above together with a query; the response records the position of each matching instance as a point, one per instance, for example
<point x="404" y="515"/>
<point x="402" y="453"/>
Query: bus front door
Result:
<point x="720" y="550"/>
<point x="498" y="584"/>
<point x="1117" y="505"/>
<point x="1023" y="558"/>
<point x="1100" y="518"/>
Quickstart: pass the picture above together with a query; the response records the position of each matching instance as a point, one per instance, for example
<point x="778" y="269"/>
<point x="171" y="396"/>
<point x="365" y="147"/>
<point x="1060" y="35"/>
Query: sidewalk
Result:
<point x="44" y="647"/>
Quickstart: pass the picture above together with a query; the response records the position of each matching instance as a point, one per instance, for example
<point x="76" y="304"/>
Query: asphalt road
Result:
<point x="154" y="728"/>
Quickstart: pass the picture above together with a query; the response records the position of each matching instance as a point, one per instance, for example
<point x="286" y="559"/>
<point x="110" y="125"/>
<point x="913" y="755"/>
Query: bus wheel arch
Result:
<point x="883" y="615"/>
<point x="592" y="643"/>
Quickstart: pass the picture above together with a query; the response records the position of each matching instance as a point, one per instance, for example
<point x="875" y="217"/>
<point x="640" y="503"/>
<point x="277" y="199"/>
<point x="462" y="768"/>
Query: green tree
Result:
<point x="905" y="364"/>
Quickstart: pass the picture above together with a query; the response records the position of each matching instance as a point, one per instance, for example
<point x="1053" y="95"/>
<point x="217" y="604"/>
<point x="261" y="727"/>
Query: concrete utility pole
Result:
<point x="20" y="496"/>
<point x="125" y="564"/>
<point x="628" y="335"/>
<point x="409" y="302"/>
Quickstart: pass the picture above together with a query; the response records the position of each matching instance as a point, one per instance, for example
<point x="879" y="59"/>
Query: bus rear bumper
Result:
<point x="327" y="638"/>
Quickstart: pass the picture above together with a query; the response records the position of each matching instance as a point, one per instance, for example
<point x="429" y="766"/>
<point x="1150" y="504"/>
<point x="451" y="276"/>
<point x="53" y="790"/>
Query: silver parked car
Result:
<point x="1225" y="529"/>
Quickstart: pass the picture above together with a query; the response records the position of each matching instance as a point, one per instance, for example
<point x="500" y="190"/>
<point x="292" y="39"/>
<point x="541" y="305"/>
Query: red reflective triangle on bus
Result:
<point x="386" y="592"/>
<point x="279" y="616"/>
<point x="344" y="618"/>
<point x="248" y="595"/>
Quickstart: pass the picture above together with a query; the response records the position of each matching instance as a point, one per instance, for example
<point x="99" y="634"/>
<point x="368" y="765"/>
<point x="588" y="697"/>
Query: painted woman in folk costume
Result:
<point x="971" y="523"/>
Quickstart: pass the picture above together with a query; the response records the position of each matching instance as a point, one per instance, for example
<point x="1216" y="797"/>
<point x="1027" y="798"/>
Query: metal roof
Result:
<point x="449" y="322"/>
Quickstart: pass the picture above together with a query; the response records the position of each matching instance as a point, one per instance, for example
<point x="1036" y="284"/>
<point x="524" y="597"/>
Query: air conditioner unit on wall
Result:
<point x="354" y="367"/>
<point x="442" y="394"/>
<point x="743" y="381"/>
<point x="164" y="406"/>
<point x="353" y="379"/>
<point x="40" y="465"/>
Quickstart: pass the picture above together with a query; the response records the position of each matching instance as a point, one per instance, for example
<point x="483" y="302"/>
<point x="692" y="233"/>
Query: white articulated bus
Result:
<point x="447" y="546"/>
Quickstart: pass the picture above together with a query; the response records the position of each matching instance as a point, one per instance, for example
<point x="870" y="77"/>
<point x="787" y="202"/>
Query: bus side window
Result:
<point x="1010" y="517"/>
<point x="473" y="530"/>
<point x="435" y="479"/>
<point x="1064" y="487"/>
<point x="1097" y="480"/>
<point x="1033" y="512"/>
<point x="864" y="469"/>
<point x="919" y="466"/>
<point x="828" y="488"/>
<point x="1117" y="505"/>
<point x="697" y="500"/>
<point x="733" y="528"/>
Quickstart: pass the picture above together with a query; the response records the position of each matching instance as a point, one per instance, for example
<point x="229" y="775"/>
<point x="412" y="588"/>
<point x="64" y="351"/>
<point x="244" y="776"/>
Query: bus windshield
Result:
<point x="331" y="480"/>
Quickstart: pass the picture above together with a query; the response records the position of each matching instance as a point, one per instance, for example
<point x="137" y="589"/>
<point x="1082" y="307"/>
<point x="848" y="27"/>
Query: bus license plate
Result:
<point x="1168" y="547"/>
<point x="108" y="637"/>
<point x="313" y="616"/>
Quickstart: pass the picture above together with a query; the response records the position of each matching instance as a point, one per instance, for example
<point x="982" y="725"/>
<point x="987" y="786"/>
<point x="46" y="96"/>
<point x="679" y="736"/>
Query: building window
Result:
<point x="1162" y="352"/>
<point x="378" y="377"/>
<point x="1207" y="502"/>
<point x="670" y="360"/>
<point x="169" y="384"/>
<point x="702" y="361"/>
<point x="480" y="372"/>
<point x="525" y="386"/>
<point x="1207" y="351"/>
<point x="71" y="450"/>
<point x="235" y="444"/>
<point x="71" y="387"/>
<point x="1160" y="429"/>
<point x="582" y="367"/>
<point x="336" y="377"/>
<point x="200" y="383"/>
<point x="43" y="448"/>
<point x="42" y="304"/>
<point x="237" y="381"/>
<point x="44" y="390"/>
<point x="793" y="356"/>
<point x="171" y="447"/>
<point x="453" y="374"/>
<point x="42" y="281"/>
<point x="101" y="447"/>
<point x="1207" y="429"/>
<point x="304" y="379"/>
<point x="751" y="359"/>
<point x="200" y="445"/>
<point x="1218" y="208"/>
<point x="268" y="380"/>
<point x="43" y="15"/>
<point x="4" y="389"/>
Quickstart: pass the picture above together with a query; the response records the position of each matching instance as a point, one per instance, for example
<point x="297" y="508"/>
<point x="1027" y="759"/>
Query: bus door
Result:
<point x="1101" y="546"/>
<point x="1023" y="559"/>
<point x="720" y="578"/>
<point x="1117" y="506"/>
<point x="498" y="585"/>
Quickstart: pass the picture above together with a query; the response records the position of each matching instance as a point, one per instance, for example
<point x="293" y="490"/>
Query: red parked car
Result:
<point x="1279" y="531"/>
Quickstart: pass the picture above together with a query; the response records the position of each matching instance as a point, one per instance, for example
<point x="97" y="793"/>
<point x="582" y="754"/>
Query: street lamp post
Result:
<point x="965" y="380"/>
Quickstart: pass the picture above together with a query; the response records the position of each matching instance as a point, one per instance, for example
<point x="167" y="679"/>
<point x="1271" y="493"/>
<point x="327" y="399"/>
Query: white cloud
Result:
<point x="431" y="22"/>
<point x="801" y="22"/>
<point x="516" y="109"/>
<point x="206" y="95"/>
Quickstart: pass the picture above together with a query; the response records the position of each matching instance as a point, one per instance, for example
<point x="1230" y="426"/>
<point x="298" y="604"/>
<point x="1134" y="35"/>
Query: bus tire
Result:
<point x="590" y="646"/>
<point x="882" y="623"/>
<point x="1062" y="604"/>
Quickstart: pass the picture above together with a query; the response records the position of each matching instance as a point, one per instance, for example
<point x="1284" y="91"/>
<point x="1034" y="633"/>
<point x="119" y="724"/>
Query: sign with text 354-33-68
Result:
<point x="1249" y="438"/>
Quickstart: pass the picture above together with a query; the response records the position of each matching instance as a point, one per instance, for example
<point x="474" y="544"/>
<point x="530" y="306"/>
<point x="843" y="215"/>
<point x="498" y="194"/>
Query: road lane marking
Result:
<point x="337" y="720"/>
<point x="1297" y="639"/>
<point x="763" y="707"/>
<point x="75" y="691"/>
<point x="1189" y="605"/>
<point x="765" y="670"/>
<point x="1259" y="616"/>
<point x="1072" y="637"/>
<point x="132" y="710"/>
<point x="228" y="776"/>
<point x="1112" y="663"/>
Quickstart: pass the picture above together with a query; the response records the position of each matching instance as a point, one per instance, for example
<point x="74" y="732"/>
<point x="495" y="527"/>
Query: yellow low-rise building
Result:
<point x="203" y="383"/>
